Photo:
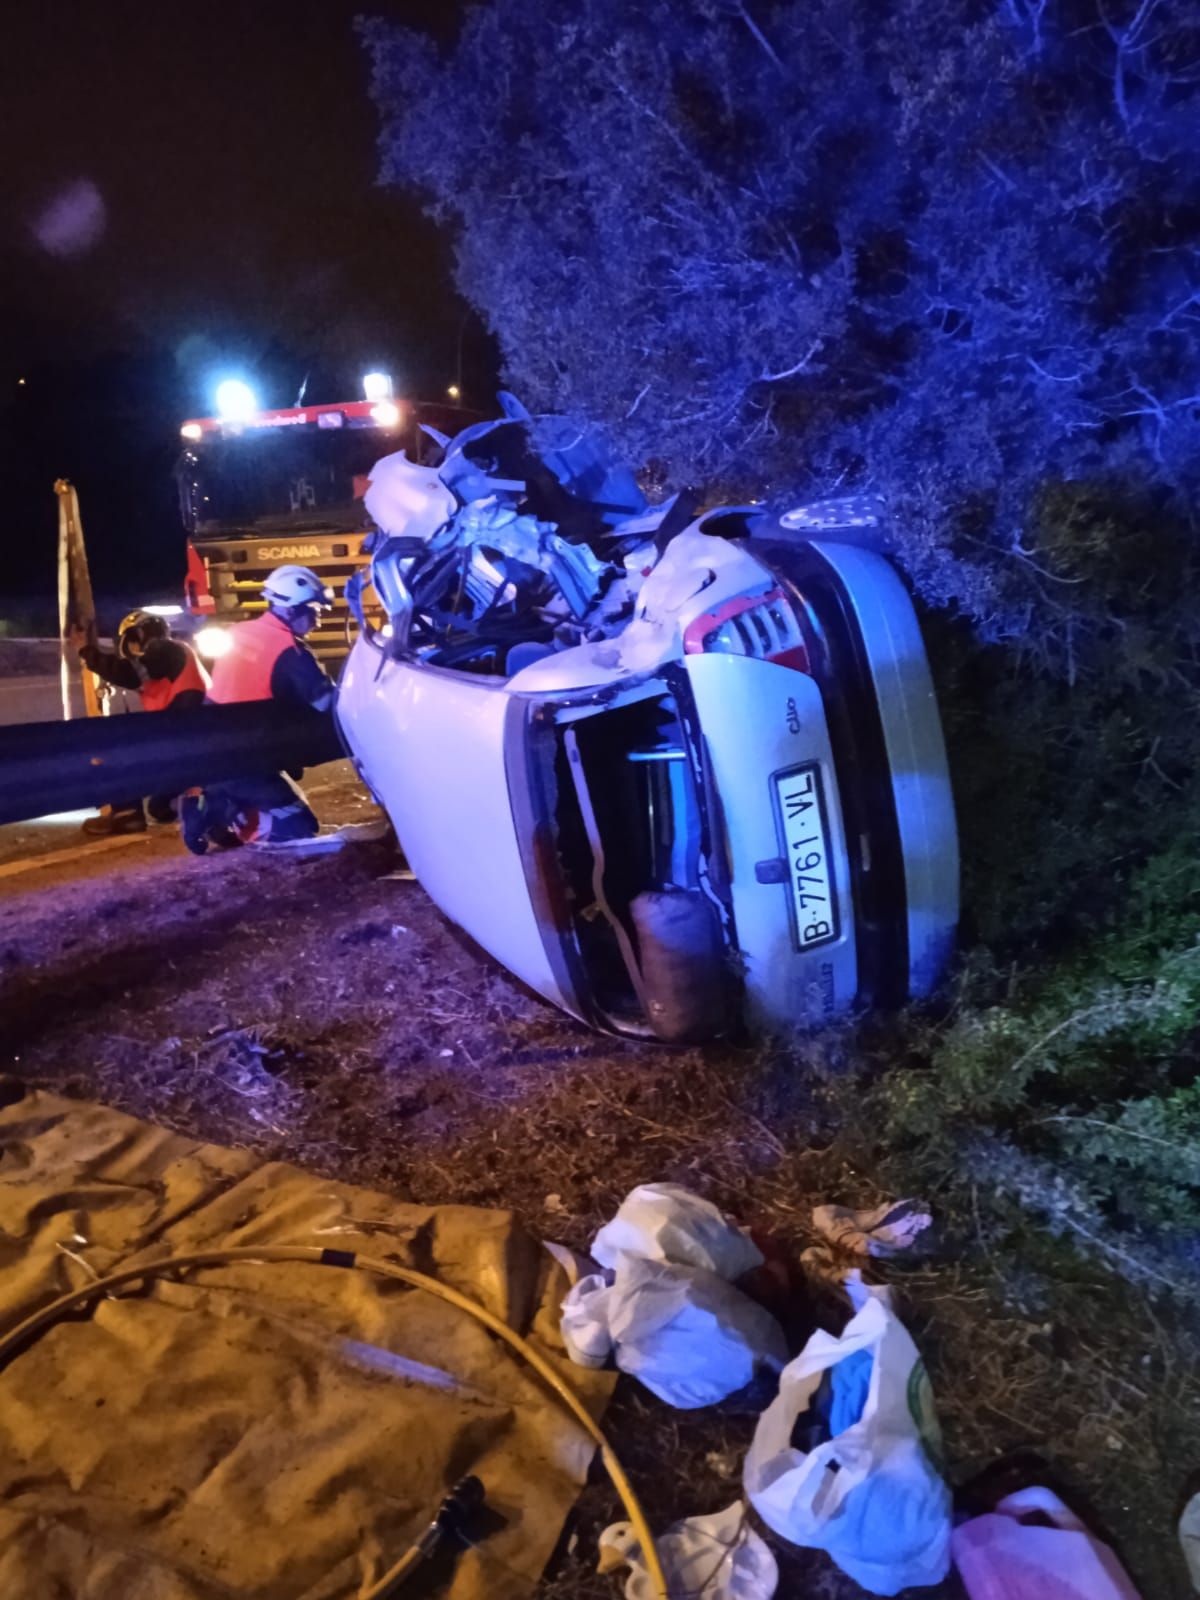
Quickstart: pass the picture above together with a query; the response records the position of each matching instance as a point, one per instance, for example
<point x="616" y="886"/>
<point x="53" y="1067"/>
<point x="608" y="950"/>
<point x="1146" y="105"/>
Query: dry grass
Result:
<point x="321" y="1013"/>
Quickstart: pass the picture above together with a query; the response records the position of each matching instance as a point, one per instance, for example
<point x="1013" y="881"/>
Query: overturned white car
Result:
<point x="676" y="772"/>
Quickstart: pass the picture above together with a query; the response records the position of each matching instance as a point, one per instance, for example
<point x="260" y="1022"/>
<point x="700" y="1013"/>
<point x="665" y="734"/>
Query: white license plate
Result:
<point x="800" y="809"/>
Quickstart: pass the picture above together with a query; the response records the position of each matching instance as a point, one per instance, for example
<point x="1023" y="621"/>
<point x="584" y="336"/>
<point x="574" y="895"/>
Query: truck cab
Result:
<point x="270" y="487"/>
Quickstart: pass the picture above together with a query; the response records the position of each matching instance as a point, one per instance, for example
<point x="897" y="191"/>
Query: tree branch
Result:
<point x="790" y="372"/>
<point x="740" y="11"/>
<point x="642" y="395"/>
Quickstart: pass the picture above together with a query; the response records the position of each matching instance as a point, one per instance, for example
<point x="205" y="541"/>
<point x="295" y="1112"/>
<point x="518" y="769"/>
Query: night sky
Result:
<point x="187" y="191"/>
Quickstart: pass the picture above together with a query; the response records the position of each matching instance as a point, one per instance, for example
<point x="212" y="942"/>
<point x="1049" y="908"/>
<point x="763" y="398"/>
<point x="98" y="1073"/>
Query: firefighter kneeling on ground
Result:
<point x="167" y="676"/>
<point x="266" y="660"/>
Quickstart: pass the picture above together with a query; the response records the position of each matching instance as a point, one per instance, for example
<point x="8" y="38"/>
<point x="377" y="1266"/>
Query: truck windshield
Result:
<point x="278" y="477"/>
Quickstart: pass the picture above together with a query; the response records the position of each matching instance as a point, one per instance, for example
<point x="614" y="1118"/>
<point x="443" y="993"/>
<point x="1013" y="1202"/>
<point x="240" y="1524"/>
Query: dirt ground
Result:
<point x="323" y="1012"/>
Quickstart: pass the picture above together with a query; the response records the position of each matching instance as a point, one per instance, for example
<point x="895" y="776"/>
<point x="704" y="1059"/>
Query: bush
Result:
<point x="1067" y="1088"/>
<point x="939" y="251"/>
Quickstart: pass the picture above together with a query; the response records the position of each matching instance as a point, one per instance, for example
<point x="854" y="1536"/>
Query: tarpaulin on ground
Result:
<point x="281" y="1431"/>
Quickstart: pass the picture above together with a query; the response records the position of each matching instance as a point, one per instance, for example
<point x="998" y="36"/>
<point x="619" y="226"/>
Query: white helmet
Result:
<point x="295" y="586"/>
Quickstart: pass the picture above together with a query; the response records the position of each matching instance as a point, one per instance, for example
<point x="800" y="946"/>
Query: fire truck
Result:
<point x="261" y="488"/>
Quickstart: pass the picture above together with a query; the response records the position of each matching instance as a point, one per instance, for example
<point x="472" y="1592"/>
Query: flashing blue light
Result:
<point x="236" y="401"/>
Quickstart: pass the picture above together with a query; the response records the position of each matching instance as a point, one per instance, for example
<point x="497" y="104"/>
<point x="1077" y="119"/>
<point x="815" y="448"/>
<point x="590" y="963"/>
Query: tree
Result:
<point x="944" y="250"/>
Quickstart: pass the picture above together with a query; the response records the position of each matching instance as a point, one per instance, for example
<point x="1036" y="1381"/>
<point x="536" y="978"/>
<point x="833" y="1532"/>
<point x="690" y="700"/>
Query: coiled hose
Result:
<point x="316" y="1256"/>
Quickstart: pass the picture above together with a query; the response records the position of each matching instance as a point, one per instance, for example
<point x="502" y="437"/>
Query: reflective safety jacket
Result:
<point x="191" y="678"/>
<point x="167" y="676"/>
<point x="265" y="661"/>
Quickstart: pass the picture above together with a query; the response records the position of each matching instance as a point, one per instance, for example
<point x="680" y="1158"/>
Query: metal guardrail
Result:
<point x="94" y="761"/>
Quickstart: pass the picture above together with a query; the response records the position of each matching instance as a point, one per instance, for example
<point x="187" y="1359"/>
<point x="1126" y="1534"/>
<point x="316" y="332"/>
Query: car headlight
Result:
<point x="212" y="642"/>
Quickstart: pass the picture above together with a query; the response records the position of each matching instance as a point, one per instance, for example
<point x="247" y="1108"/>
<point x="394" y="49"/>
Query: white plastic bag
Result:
<point x="719" y="1557"/>
<point x="666" y="1222"/>
<point x="689" y="1336"/>
<point x="584" y="1325"/>
<point x="1001" y="1556"/>
<point x="870" y="1495"/>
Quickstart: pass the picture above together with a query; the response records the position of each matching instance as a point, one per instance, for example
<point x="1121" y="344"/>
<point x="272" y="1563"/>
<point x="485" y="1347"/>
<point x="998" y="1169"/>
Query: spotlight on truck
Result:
<point x="377" y="386"/>
<point x="236" y="401"/>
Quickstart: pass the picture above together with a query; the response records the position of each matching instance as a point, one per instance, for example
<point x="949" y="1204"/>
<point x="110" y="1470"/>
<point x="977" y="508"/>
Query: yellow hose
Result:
<point x="316" y="1256"/>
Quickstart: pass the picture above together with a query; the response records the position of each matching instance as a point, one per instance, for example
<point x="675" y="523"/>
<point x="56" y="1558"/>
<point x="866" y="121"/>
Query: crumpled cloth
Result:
<point x="719" y="1557"/>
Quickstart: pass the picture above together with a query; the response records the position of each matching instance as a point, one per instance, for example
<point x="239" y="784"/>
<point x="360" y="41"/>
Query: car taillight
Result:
<point x="762" y="626"/>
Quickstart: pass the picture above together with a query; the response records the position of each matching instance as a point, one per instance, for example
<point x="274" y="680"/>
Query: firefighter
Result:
<point x="266" y="660"/>
<point x="166" y="675"/>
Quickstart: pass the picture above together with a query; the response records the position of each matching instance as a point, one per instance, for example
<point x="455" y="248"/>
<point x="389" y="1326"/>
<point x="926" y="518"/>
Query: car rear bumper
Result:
<point x="891" y="755"/>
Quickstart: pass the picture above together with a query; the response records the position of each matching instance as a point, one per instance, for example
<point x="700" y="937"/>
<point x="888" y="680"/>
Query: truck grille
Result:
<point x="237" y="568"/>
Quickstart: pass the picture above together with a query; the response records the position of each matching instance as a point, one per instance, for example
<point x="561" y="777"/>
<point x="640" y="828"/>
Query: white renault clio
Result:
<point x="675" y="781"/>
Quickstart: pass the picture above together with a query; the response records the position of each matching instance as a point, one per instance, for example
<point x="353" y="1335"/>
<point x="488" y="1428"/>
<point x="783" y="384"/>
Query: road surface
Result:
<point x="30" y="697"/>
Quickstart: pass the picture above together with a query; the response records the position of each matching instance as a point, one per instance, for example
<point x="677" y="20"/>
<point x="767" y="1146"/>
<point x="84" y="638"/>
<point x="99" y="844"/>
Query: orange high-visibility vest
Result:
<point x="244" y="671"/>
<point x="157" y="693"/>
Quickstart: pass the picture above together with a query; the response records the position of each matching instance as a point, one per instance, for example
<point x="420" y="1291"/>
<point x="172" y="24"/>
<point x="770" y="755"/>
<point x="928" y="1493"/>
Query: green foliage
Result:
<point x="1074" y="749"/>
<point x="1146" y="1156"/>
<point x="1067" y="1088"/>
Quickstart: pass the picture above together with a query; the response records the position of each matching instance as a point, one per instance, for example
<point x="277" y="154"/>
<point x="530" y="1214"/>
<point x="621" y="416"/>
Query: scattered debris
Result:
<point x="666" y="1222"/>
<point x="1032" y="1547"/>
<point x="664" y="1308"/>
<point x="849" y="1236"/>
<point x="845" y="1462"/>
<point x="718" y="1557"/>
<point x="882" y="1231"/>
<point x="242" y="1060"/>
<point x="330" y="840"/>
<point x="689" y="1336"/>
<point x="724" y="1463"/>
